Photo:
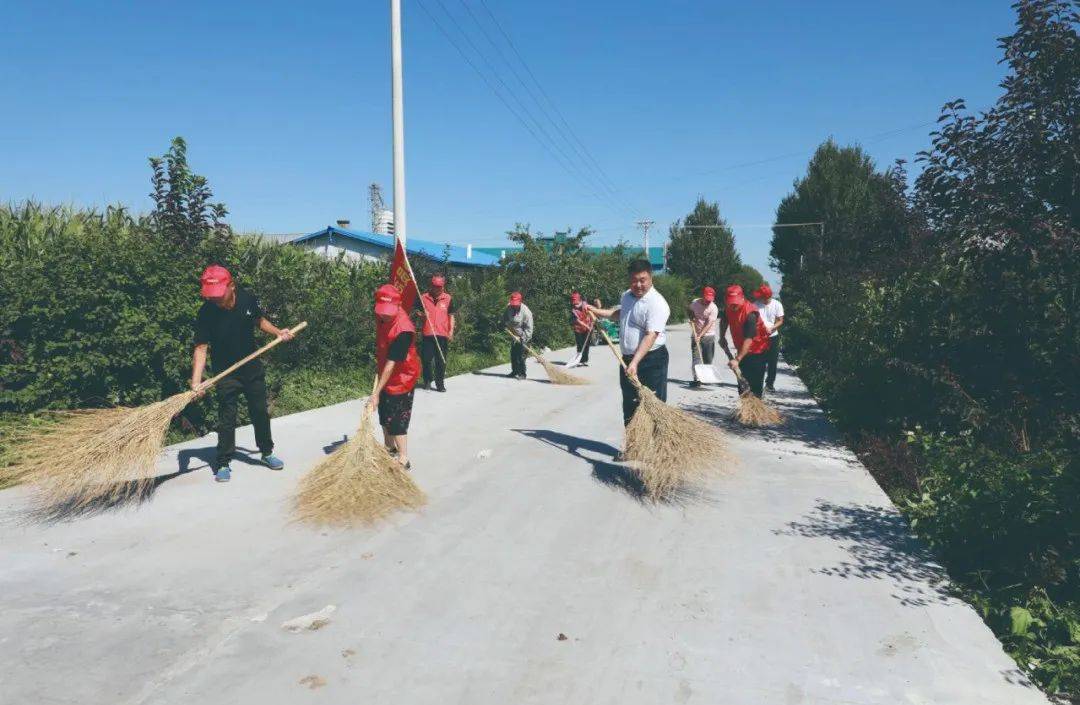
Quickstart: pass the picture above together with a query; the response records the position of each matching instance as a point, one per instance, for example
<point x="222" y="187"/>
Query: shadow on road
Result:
<point x="881" y="547"/>
<point x="803" y="423"/>
<point x="123" y="495"/>
<point x="606" y="473"/>
<point x="128" y="494"/>
<point x="504" y="376"/>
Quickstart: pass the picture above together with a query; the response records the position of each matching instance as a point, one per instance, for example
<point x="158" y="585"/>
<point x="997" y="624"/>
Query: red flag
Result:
<point x="402" y="278"/>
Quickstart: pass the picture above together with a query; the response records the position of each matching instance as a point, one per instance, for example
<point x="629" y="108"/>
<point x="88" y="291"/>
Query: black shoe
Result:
<point x="440" y="388"/>
<point x="426" y="386"/>
<point x="770" y="388"/>
<point x="695" y="384"/>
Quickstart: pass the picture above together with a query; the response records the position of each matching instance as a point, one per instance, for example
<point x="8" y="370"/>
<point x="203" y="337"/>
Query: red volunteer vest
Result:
<point x="436" y="314"/>
<point x="582" y="322"/>
<point x="403" y="378"/>
<point x="760" y="342"/>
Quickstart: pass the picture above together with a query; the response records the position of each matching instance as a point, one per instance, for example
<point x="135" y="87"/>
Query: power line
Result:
<point x="550" y="144"/>
<point x="587" y="155"/>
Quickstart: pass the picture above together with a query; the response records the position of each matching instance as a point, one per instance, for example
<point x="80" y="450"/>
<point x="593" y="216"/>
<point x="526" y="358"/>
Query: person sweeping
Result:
<point x="642" y="316"/>
<point x="518" y="319"/>
<point x="582" y="324"/>
<point x="437" y="308"/>
<point x="226" y="325"/>
<point x="398" y="367"/>
<point x="750" y="336"/>
<point x="772" y="313"/>
<point x="703" y="313"/>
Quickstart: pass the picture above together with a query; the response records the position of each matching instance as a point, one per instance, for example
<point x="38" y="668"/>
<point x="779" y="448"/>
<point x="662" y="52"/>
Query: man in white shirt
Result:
<point x="642" y="316"/>
<point x="772" y="313"/>
<point x="703" y="314"/>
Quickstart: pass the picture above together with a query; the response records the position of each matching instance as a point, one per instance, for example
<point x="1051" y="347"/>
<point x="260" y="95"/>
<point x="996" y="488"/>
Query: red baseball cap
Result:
<point x="734" y="295"/>
<point x="215" y="281"/>
<point x="709" y="294"/>
<point x="763" y="292"/>
<point x="438" y="280"/>
<point x="575" y="298"/>
<point x="387" y="300"/>
<point x="515" y="298"/>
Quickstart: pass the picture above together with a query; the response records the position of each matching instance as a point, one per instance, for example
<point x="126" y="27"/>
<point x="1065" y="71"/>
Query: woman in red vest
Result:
<point x="581" y="322"/>
<point x="750" y="336"/>
<point x="437" y="308"/>
<point x="399" y="367"/>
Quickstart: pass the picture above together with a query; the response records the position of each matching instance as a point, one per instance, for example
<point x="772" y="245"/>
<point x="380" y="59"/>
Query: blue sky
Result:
<point x="286" y="106"/>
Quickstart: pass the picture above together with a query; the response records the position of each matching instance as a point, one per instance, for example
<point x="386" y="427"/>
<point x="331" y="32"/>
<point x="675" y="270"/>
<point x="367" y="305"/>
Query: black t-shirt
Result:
<point x="230" y="332"/>
<point x="399" y="349"/>
<point x="749" y="328"/>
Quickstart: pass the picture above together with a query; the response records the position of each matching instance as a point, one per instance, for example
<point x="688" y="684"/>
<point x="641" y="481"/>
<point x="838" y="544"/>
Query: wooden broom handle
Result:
<point x="618" y="355"/>
<point x="206" y="384"/>
<point x="523" y="343"/>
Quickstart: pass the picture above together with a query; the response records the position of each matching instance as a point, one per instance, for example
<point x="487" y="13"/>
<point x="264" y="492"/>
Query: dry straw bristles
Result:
<point x="556" y="375"/>
<point x="359" y="483"/>
<point x="754" y="411"/>
<point x="96" y="456"/>
<point x="671" y="447"/>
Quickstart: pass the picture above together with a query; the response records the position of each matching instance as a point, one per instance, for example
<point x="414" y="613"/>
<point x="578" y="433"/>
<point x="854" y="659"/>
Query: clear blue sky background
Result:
<point x="286" y="106"/>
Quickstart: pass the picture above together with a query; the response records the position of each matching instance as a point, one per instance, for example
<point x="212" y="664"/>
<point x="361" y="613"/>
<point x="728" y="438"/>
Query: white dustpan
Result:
<point x="574" y="361"/>
<point x="706" y="374"/>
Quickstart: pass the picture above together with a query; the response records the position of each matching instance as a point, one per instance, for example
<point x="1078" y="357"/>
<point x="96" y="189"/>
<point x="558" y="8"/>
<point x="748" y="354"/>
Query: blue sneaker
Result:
<point x="223" y="474"/>
<point x="272" y="462"/>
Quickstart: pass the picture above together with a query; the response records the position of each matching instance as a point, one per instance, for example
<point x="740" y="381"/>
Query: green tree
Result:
<point x="748" y="278"/>
<point x="865" y="223"/>
<point x="701" y="247"/>
<point x="183" y="211"/>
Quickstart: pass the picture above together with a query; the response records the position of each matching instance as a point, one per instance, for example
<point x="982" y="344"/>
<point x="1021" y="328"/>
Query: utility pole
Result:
<point x="645" y="225"/>
<point x="398" y="98"/>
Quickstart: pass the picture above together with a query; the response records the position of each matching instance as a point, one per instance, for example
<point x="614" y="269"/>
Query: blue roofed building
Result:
<point x="333" y="240"/>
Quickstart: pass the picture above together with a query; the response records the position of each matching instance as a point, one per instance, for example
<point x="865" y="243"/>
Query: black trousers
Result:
<point x="517" y="358"/>
<point x="652" y="372"/>
<point x="434" y="364"/>
<point x="753" y="369"/>
<point x="584" y="341"/>
<point x="773" y="355"/>
<point x="249" y="380"/>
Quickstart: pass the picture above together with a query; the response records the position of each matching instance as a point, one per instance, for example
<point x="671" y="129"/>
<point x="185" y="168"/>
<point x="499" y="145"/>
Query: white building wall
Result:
<point x="332" y="247"/>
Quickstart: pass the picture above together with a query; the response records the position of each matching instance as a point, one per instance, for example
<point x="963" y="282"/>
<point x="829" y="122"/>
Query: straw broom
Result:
<point x="359" y="483"/>
<point x="752" y="410"/>
<point x="556" y="375"/>
<point x="672" y="447"/>
<point x="104" y="456"/>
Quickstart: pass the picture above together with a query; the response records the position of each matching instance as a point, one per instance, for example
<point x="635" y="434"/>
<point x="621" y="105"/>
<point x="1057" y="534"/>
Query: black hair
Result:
<point x="638" y="266"/>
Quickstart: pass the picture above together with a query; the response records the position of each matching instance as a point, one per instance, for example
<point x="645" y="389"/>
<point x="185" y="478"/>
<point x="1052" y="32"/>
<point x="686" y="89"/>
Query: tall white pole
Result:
<point x="645" y="225"/>
<point x="399" y="120"/>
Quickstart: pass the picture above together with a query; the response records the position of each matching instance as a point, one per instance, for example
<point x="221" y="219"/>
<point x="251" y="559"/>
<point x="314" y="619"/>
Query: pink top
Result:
<point x="705" y="315"/>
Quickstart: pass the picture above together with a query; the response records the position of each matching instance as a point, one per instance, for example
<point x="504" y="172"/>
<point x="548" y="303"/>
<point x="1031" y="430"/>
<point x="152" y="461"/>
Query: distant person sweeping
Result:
<point x="398" y="367"/>
<point x="750" y="336"/>
<point x="642" y="316"/>
<point x="226" y="325"/>
<point x="582" y="323"/>
<point x="772" y="313"/>
<point x="703" y="314"/>
<point x="437" y="308"/>
<point x="518" y="319"/>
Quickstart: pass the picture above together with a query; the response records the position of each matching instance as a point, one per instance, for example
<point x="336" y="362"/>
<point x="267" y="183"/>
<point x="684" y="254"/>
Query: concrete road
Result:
<point x="534" y="575"/>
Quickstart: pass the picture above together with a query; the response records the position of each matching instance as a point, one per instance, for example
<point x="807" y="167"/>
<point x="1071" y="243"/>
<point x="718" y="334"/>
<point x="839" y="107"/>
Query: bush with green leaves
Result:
<point x="951" y="308"/>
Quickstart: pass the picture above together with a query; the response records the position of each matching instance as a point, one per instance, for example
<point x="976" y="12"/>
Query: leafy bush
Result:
<point x="949" y="312"/>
